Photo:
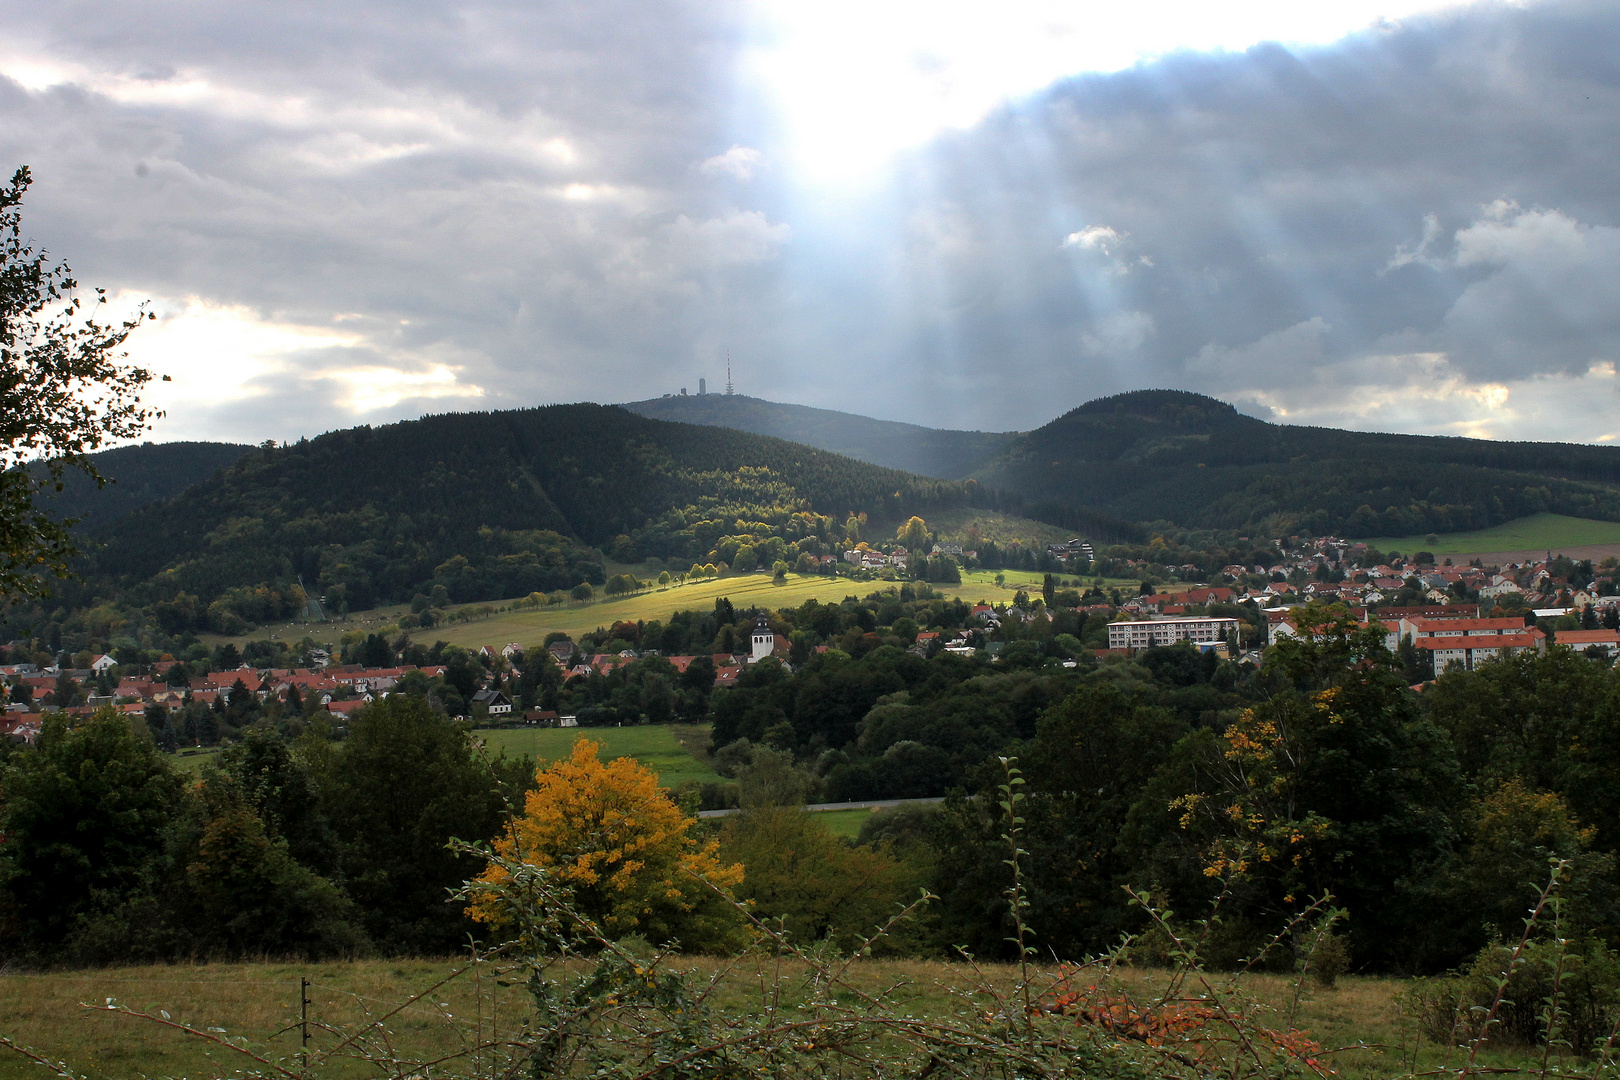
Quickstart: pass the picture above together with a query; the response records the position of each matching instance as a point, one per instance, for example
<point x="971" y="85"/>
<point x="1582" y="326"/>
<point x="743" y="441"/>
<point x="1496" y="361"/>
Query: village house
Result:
<point x="497" y="703"/>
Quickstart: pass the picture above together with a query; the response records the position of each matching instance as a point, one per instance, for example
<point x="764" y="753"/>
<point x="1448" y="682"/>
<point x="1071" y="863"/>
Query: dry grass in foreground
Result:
<point x="260" y="1002"/>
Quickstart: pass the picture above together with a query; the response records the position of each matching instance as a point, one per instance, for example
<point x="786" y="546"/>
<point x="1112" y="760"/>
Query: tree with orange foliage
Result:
<point x="619" y="843"/>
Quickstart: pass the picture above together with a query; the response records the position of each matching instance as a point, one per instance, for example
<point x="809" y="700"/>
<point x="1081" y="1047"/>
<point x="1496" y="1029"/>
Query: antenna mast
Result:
<point x="728" y="372"/>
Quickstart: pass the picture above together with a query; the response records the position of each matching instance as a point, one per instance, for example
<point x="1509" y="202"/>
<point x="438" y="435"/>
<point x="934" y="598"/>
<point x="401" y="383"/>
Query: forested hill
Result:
<point x="486" y="505"/>
<point x="139" y="475"/>
<point x="949" y="455"/>
<point x="1176" y="456"/>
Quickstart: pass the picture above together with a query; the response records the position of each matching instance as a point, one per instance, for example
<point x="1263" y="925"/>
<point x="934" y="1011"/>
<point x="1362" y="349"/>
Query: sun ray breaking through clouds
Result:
<point x="917" y="212"/>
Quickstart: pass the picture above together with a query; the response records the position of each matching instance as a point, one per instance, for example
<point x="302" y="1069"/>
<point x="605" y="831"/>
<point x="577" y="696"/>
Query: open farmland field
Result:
<point x="743" y="590"/>
<point x="259" y="1002"/>
<point x="676" y="752"/>
<point x="1534" y="535"/>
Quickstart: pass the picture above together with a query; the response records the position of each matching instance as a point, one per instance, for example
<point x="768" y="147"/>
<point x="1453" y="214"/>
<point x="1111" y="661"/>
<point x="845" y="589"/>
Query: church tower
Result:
<point x="764" y="639"/>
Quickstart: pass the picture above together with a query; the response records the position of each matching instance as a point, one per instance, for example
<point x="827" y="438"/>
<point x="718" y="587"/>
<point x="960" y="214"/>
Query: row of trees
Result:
<point x="308" y="846"/>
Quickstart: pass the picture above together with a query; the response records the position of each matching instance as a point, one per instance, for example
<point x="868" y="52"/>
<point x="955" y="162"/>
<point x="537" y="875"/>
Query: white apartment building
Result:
<point x="1150" y="632"/>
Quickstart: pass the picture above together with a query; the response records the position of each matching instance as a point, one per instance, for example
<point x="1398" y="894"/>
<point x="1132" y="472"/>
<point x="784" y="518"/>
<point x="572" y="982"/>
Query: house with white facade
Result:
<point x="1470" y="642"/>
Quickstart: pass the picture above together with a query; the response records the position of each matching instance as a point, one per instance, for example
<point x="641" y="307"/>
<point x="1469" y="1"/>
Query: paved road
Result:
<point x="869" y="804"/>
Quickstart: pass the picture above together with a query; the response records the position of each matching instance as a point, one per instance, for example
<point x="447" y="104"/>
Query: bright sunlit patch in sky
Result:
<point x="855" y="81"/>
<point x="218" y="355"/>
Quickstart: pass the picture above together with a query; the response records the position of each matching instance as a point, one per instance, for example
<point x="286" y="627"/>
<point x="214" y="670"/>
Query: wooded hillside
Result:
<point x="487" y="504"/>
<point x="138" y="475"/>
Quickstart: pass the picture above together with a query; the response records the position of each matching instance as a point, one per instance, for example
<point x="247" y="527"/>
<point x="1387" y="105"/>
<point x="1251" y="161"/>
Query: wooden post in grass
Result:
<point x="303" y="1018"/>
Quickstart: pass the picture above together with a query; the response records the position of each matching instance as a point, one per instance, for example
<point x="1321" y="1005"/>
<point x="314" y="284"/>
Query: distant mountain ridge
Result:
<point x="138" y="475"/>
<point x="1184" y="458"/>
<point x="946" y="455"/>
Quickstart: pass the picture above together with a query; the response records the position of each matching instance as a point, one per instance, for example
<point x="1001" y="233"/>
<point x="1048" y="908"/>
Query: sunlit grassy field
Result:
<point x="1545" y="532"/>
<point x="529" y="627"/>
<point x="676" y="752"/>
<point x="744" y="590"/>
<point x="49" y="1011"/>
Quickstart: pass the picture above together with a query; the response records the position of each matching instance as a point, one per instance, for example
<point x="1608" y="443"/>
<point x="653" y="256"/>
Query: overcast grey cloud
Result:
<point x="361" y="213"/>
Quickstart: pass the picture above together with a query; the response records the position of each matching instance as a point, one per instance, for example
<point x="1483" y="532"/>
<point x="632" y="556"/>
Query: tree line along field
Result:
<point x="56" y="1012"/>
<point x="1538" y="532"/>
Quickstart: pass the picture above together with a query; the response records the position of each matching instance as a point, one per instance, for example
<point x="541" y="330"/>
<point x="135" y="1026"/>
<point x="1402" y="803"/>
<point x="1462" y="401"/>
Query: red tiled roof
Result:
<point x="1527" y="640"/>
<point x="1589" y="637"/>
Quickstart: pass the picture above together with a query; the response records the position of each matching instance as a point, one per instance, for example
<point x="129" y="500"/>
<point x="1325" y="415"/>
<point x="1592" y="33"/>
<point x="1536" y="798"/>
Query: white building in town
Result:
<point x="1150" y="632"/>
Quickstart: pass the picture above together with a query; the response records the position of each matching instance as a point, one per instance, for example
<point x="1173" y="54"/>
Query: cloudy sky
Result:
<point x="1398" y="215"/>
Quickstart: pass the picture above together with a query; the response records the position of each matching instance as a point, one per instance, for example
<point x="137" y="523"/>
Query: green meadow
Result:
<point x="676" y="752"/>
<point x="1545" y="532"/>
<point x="845" y="823"/>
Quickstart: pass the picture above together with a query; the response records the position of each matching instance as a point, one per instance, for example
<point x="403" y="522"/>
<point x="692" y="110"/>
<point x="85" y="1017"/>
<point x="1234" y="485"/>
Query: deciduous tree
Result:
<point x="64" y="393"/>
<point x="619" y="842"/>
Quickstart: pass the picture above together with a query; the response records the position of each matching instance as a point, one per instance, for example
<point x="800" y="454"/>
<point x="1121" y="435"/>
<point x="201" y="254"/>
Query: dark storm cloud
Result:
<point x="495" y="205"/>
<point x="520" y="184"/>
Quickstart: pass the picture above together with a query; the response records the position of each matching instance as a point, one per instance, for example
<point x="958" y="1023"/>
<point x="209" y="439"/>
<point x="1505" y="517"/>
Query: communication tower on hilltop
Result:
<point x="703" y="387"/>
<point x="728" y="373"/>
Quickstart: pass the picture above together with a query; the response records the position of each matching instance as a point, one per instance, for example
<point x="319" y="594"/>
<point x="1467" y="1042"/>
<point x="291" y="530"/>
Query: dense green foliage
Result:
<point x="308" y="848"/>
<point x="1430" y="817"/>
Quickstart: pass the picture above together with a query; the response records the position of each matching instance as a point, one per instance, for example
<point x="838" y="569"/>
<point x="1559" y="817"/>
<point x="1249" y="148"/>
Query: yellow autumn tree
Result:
<point x="625" y="852"/>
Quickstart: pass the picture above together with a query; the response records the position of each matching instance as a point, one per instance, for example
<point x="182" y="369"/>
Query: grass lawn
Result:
<point x="845" y="823"/>
<point x="1544" y="532"/>
<point x="260" y="1002"/>
<point x="193" y="760"/>
<point x="676" y="752"/>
